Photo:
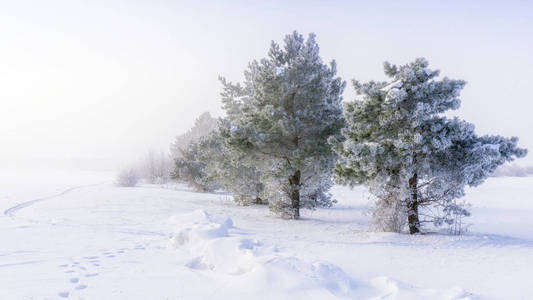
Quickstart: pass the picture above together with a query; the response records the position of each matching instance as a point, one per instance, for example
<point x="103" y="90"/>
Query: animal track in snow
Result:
<point x="84" y="266"/>
<point x="63" y="294"/>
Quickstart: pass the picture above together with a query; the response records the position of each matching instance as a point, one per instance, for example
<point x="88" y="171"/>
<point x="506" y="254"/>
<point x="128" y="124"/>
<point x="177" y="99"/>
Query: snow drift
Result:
<point x="255" y="268"/>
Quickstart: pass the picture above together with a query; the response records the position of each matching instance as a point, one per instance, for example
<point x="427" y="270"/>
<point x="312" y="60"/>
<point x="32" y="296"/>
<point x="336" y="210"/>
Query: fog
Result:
<point x="97" y="83"/>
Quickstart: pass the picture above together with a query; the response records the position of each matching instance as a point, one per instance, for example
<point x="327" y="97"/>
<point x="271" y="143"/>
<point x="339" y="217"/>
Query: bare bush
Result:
<point x="156" y="167"/>
<point x="127" y="177"/>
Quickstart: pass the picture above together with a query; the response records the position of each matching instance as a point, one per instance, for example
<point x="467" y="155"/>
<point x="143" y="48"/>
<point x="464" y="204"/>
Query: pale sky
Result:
<point x="108" y="80"/>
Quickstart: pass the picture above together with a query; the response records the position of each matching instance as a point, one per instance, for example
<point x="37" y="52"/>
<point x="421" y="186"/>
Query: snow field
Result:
<point x="99" y="241"/>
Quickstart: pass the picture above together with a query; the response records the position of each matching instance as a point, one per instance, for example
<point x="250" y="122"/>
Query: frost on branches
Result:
<point x="203" y="126"/>
<point x="190" y="169"/>
<point x="230" y="169"/>
<point x="281" y="117"/>
<point x="188" y="166"/>
<point x="415" y="161"/>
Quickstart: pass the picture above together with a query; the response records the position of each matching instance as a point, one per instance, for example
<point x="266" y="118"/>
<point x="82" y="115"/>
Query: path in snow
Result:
<point x="10" y="212"/>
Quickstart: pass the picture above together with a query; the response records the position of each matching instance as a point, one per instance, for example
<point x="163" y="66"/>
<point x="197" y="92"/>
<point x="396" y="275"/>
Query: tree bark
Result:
<point x="294" y="182"/>
<point x="412" y="209"/>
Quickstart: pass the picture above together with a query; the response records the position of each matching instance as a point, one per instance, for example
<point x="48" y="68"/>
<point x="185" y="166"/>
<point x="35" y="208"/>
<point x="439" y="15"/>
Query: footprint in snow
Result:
<point x="74" y="280"/>
<point x="63" y="294"/>
<point x="91" y="275"/>
<point x="81" y="287"/>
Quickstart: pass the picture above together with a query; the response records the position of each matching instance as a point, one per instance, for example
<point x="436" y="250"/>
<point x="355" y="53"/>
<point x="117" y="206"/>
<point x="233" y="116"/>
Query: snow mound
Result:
<point x="253" y="268"/>
<point x="198" y="227"/>
<point x="292" y="273"/>
<point x="206" y="239"/>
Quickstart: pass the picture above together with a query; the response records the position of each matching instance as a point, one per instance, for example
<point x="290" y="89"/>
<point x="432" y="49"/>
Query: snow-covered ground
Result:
<point x="77" y="236"/>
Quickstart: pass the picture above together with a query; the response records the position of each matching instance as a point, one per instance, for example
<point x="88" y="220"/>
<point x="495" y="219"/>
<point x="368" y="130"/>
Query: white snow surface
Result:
<point x="77" y="236"/>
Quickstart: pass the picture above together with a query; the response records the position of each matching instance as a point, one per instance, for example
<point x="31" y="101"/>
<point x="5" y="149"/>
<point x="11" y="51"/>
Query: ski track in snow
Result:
<point x="76" y="266"/>
<point x="10" y="212"/>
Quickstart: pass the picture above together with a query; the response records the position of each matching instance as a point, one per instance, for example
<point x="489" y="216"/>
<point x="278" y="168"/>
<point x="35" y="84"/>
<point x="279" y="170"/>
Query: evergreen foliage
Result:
<point x="415" y="160"/>
<point x="203" y="126"/>
<point x="230" y="169"/>
<point x="281" y="117"/>
<point x="190" y="169"/>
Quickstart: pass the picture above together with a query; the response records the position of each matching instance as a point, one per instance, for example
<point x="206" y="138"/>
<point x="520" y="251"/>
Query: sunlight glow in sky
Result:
<point x="108" y="80"/>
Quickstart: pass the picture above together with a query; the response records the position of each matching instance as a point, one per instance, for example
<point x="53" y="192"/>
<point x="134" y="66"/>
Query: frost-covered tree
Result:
<point x="191" y="170"/>
<point x="203" y="126"/>
<point x="282" y="116"/>
<point x="156" y="167"/>
<point x="413" y="158"/>
<point x="231" y="169"/>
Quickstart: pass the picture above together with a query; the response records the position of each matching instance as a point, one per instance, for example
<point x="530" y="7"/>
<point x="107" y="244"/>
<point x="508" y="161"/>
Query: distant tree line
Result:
<point x="154" y="168"/>
<point x="512" y="170"/>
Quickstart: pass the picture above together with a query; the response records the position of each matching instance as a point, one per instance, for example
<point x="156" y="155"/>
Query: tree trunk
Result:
<point x="294" y="181"/>
<point x="412" y="209"/>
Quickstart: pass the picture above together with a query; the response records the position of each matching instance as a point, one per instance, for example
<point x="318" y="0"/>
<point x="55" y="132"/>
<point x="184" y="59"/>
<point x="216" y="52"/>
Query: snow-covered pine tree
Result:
<point x="203" y="126"/>
<point x="398" y="143"/>
<point x="190" y="169"/>
<point x="184" y="151"/>
<point x="282" y="116"/>
<point x="230" y="169"/>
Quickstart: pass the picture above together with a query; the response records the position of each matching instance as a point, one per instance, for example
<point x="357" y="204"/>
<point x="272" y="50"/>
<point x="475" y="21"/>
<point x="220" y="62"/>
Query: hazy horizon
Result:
<point x="105" y="81"/>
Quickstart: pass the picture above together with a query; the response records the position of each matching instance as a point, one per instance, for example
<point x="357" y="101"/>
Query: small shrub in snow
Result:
<point x="127" y="177"/>
<point x="387" y="214"/>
